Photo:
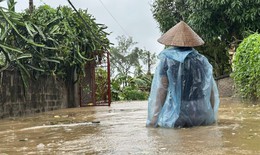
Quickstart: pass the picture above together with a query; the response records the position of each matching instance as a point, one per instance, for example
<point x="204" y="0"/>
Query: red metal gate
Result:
<point x="95" y="85"/>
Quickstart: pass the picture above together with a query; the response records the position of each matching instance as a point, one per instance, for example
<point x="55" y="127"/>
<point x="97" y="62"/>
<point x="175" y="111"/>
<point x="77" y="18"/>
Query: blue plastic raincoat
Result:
<point x="183" y="92"/>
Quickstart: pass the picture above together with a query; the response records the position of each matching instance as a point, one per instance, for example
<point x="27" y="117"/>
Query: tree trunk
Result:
<point x="71" y="88"/>
<point x="30" y="6"/>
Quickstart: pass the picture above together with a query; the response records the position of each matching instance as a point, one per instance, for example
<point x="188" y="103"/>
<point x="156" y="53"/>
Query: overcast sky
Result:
<point x="129" y="17"/>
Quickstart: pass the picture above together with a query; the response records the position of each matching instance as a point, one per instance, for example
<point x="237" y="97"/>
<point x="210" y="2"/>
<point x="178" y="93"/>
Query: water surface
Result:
<point x="120" y="129"/>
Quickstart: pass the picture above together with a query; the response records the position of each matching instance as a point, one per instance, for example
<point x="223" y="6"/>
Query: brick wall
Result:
<point x="225" y="86"/>
<point x="43" y="94"/>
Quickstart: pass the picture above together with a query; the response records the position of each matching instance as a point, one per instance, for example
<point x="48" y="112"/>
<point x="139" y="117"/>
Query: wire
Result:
<point x="114" y="18"/>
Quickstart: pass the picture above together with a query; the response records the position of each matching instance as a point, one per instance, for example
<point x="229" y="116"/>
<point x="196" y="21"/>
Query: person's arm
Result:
<point x="160" y="98"/>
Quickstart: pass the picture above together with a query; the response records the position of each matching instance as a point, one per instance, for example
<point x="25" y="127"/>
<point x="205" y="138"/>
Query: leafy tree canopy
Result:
<point x="128" y="59"/>
<point x="128" y="64"/>
<point x="225" y="19"/>
<point x="221" y="23"/>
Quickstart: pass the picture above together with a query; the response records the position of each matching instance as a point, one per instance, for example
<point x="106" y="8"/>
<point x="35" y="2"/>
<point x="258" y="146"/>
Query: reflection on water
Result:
<point x="120" y="129"/>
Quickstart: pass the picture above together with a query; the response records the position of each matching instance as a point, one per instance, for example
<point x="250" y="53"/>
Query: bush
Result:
<point x="246" y="67"/>
<point x="134" y="94"/>
<point x="131" y="88"/>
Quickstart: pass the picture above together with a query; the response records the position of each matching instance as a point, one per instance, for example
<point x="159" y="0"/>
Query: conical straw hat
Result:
<point x="181" y="35"/>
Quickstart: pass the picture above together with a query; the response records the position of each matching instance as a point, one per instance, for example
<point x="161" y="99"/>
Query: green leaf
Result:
<point x="24" y="74"/>
<point x="15" y="29"/>
<point x="24" y="56"/>
<point x="30" y="29"/>
<point x="36" y="68"/>
<point x="10" y="48"/>
<point x="40" y="32"/>
<point x="50" y="60"/>
<point x="82" y="57"/>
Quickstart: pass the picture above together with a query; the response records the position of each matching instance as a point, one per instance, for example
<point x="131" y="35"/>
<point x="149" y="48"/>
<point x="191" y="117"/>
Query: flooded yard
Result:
<point x="120" y="129"/>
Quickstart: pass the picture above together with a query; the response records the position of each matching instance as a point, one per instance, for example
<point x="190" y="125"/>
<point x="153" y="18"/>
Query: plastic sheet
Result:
<point x="183" y="92"/>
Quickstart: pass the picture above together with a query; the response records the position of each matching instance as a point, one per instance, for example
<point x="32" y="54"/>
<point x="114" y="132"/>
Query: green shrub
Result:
<point x="246" y="67"/>
<point x="134" y="94"/>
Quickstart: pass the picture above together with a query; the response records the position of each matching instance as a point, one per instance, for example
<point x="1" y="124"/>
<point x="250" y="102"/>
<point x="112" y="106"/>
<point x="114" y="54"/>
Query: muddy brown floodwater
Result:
<point x="120" y="129"/>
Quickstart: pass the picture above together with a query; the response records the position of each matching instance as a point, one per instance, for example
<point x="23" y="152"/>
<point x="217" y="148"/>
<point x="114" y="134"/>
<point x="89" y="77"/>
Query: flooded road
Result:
<point x="120" y="129"/>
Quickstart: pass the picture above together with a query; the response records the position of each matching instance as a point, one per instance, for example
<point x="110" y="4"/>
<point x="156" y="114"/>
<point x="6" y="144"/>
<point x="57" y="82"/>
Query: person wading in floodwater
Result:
<point x="183" y="91"/>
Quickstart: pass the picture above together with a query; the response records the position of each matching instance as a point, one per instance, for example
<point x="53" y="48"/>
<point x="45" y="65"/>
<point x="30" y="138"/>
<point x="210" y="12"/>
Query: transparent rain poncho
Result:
<point x="183" y="92"/>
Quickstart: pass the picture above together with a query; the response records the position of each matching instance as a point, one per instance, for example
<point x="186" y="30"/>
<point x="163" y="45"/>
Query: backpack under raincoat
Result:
<point x="183" y="91"/>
